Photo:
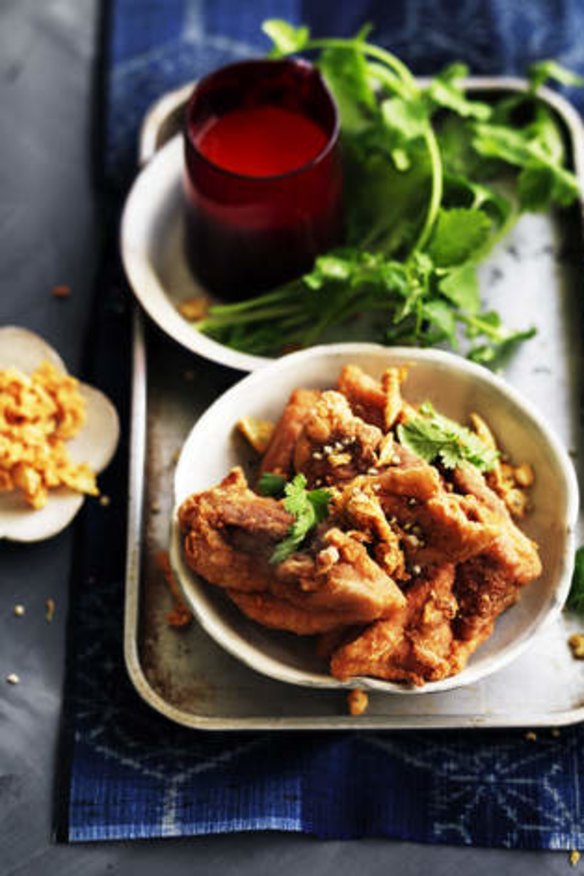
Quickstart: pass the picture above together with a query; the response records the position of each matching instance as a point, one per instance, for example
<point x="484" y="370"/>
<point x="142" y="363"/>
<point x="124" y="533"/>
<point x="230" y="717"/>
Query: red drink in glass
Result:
<point x="263" y="175"/>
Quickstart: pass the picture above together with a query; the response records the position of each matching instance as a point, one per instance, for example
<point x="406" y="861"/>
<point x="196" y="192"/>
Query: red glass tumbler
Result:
<point x="263" y="175"/>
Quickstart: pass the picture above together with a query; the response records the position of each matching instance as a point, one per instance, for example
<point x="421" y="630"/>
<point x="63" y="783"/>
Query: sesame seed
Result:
<point x="13" y="678"/>
<point x="317" y="455"/>
<point x="412" y="501"/>
<point x="395" y="459"/>
<point x="372" y="470"/>
<point x="416" y="569"/>
<point x="327" y="448"/>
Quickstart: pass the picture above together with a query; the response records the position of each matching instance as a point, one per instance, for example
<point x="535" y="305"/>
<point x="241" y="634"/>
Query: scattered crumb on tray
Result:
<point x="105" y="501"/>
<point x="180" y="615"/>
<point x="576" y="643"/>
<point x="50" y="613"/>
<point x="18" y="610"/>
<point x="61" y="291"/>
<point x="574" y="857"/>
<point x="13" y="678"/>
<point x="357" y="701"/>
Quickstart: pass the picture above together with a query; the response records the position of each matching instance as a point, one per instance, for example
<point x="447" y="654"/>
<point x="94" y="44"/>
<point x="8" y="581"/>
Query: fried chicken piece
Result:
<point x="280" y="451"/>
<point x="341" y="575"/>
<point x="335" y="445"/>
<point x="448" y="527"/>
<point x="376" y="402"/>
<point x="415" y="645"/>
<point x="489" y="583"/>
<point x="278" y="614"/>
<point x="361" y="513"/>
<point x="230" y="532"/>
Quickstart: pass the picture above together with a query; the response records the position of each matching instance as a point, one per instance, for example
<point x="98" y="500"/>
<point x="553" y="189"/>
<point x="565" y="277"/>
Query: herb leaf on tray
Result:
<point x="433" y="179"/>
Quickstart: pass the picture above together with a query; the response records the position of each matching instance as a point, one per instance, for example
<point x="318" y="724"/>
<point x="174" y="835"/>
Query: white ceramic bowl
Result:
<point x="456" y="387"/>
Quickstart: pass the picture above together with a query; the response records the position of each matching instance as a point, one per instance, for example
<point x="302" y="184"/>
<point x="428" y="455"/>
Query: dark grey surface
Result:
<point x="48" y="235"/>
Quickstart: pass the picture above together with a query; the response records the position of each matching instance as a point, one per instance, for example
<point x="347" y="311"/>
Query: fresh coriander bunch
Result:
<point x="434" y="178"/>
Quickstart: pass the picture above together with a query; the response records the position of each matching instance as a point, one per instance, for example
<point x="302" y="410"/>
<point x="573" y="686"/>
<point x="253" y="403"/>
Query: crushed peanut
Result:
<point x="576" y="643"/>
<point x="357" y="701"/>
<point x="256" y="432"/>
<point x="193" y="309"/>
<point x="531" y="736"/>
<point x="50" y="610"/>
<point x="574" y="857"/>
<point x="38" y="414"/>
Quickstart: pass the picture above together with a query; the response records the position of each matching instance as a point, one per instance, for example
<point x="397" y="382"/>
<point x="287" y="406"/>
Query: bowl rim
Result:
<point x="270" y="666"/>
<point x="153" y="185"/>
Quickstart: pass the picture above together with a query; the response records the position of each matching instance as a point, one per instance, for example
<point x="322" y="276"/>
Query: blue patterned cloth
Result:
<point x="134" y="774"/>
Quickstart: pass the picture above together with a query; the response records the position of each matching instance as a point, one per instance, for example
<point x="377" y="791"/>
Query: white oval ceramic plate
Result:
<point x="456" y="387"/>
<point x="94" y="444"/>
<point x="152" y="234"/>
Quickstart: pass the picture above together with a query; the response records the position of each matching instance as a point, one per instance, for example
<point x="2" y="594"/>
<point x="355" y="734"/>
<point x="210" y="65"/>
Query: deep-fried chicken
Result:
<point x="229" y="537"/>
<point x="415" y="645"/>
<point x="230" y="532"/>
<point x="407" y="574"/>
<point x="334" y="446"/>
<point x="280" y="452"/>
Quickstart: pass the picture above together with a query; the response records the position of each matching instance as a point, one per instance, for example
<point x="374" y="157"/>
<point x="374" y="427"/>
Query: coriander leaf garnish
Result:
<point x="309" y="508"/>
<point x="285" y="37"/>
<point x="541" y="71"/>
<point x="575" y="600"/>
<point x="271" y="484"/>
<point x="458" y="235"/>
<point x="435" y="437"/>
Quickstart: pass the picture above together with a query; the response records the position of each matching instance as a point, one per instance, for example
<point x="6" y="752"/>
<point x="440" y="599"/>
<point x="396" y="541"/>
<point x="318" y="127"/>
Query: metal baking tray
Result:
<point x="533" y="277"/>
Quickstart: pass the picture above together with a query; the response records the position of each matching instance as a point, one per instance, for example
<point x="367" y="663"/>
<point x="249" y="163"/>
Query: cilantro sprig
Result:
<point x="423" y="206"/>
<point x="435" y="437"/>
<point x="308" y="507"/>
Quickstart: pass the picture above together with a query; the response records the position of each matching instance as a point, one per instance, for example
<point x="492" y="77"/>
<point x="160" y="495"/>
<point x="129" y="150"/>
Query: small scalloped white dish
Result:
<point x="95" y="443"/>
<point x="456" y="387"/>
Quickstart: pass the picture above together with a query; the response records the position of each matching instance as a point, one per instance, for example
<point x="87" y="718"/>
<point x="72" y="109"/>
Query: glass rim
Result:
<point x="330" y="144"/>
